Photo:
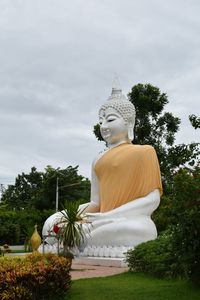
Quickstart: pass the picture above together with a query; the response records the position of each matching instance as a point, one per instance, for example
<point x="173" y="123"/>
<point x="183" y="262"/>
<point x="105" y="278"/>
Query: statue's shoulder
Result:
<point x="142" y="148"/>
<point x="143" y="153"/>
<point x="98" y="156"/>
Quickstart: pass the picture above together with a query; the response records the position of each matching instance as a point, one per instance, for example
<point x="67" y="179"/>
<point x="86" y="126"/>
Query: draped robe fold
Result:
<point x="125" y="173"/>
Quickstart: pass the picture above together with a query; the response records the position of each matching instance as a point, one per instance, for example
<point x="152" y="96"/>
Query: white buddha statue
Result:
<point x="125" y="185"/>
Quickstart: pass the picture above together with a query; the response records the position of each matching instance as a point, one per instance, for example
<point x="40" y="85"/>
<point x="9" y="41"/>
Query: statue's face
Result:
<point x="112" y="126"/>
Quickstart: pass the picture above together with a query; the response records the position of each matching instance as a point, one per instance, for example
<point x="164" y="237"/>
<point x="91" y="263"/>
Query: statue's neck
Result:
<point x="110" y="146"/>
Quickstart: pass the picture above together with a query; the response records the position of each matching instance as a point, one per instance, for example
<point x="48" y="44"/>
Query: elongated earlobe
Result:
<point x="130" y="132"/>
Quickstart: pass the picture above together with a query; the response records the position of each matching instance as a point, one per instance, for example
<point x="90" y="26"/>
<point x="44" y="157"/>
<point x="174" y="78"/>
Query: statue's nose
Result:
<point x="104" y="124"/>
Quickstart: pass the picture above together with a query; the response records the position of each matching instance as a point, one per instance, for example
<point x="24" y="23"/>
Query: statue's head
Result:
<point x="117" y="117"/>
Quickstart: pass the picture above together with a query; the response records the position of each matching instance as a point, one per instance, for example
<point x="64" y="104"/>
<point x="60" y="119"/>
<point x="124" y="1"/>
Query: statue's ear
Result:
<point x="130" y="131"/>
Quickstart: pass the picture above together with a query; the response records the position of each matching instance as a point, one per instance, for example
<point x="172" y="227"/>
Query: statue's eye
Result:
<point x="110" y="120"/>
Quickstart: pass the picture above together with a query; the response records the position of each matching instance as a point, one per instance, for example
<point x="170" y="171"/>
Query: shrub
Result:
<point x="176" y="252"/>
<point x="154" y="257"/>
<point x="34" y="277"/>
<point x="186" y="208"/>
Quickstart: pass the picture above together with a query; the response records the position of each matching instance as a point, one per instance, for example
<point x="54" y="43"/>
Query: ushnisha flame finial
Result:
<point x="116" y="84"/>
<point x="116" y="90"/>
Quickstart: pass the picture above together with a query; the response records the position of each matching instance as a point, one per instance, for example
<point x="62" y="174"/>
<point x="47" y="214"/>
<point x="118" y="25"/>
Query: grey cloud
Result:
<point x="57" y="63"/>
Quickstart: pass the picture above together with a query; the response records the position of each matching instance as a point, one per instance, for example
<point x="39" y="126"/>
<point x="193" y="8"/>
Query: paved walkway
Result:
<point x="88" y="271"/>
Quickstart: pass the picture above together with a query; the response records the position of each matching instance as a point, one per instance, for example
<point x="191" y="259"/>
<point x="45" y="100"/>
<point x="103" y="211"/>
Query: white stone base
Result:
<point x="100" y="261"/>
<point x="90" y="251"/>
<point x="105" y="251"/>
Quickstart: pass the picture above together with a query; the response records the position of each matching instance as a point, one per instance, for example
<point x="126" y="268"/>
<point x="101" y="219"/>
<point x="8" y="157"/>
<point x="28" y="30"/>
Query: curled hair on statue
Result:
<point x="124" y="107"/>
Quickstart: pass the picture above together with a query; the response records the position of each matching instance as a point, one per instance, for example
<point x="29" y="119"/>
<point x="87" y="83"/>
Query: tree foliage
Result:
<point x="17" y="226"/>
<point x="152" y="126"/>
<point x="195" y="121"/>
<point x="156" y="127"/>
<point x="38" y="189"/>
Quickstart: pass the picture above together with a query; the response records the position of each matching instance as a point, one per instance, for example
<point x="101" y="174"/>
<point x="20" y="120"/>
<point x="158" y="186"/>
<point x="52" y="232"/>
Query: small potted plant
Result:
<point x="70" y="229"/>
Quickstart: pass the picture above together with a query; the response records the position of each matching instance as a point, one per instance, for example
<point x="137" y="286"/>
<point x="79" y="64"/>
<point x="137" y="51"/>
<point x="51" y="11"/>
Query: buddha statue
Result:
<point x="125" y="185"/>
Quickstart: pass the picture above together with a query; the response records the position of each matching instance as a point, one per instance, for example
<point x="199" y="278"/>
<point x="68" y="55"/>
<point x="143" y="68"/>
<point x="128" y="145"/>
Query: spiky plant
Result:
<point x="72" y="233"/>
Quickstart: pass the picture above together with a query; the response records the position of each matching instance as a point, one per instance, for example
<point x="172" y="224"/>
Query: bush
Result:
<point x="186" y="208"/>
<point x="34" y="277"/>
<point x="176" y="252"/>
<point x="154" y="257"/>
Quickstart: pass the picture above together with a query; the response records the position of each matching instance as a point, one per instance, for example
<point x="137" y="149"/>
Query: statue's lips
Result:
<point x="105" y="133"/>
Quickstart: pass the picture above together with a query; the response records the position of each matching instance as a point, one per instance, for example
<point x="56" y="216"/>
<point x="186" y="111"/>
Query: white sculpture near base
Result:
<point x="125" y="186"/>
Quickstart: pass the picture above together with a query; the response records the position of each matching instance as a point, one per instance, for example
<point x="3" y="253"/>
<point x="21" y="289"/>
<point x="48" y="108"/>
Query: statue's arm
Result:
<point x="141" y="206"/>
<point x="92" y="206"/>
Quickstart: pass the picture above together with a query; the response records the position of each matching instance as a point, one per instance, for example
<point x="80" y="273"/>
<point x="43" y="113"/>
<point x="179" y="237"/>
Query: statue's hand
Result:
<point x="94" y="216"/>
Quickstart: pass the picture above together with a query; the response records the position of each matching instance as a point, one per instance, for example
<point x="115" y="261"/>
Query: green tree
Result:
<point x="71" y="186"/>
<point x="152" y="126"/>
<point x="25" y="191"/>
<point x="38" y="189"/>
<point x="156" y="127"/>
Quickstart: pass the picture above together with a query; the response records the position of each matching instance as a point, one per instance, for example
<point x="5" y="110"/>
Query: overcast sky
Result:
<point x="57" y="62"/>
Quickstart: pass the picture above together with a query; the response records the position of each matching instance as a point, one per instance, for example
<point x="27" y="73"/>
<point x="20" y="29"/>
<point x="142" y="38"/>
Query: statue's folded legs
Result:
<point x="114" y="235"/>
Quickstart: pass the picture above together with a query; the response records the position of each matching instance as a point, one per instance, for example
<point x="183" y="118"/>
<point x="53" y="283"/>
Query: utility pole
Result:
<point x="57" y="194"/>
<point x="64" y="186"/>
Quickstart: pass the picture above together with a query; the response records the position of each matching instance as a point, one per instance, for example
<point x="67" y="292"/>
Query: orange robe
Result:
<point x="125" y="173"/>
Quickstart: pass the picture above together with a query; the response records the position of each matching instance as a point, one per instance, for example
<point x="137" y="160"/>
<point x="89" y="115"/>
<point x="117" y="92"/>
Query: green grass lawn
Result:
<point x="132" y="286"/>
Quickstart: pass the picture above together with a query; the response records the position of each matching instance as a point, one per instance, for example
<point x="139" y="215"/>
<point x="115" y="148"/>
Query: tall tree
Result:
<point x="25" y="191"/>
<point x="156" y="127"/>
<point x="152" y="126"/>
<point x="71" y="186"/>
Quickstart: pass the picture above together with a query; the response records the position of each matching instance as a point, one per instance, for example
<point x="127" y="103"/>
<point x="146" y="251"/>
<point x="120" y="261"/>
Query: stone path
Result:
<point x="88" y="271"/>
